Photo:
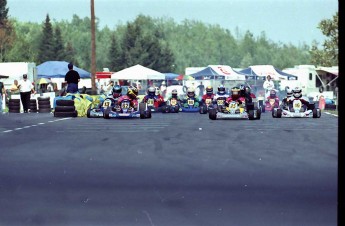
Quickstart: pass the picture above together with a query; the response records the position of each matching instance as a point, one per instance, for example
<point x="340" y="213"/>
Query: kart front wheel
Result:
<point x="88" y="113"/>
<point x="212" y="114"/>
<point x="106" y="113"/>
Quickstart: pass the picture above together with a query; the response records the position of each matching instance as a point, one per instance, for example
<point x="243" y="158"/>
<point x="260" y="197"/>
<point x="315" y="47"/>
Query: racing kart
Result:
<point x="154" y="105"/>
<point x="98" y="112"/>
<point x="206" y="106"/>
<point x="190" y="105"/>
<point x="270" y="104"/>
<point x="235" y="111"/>
<point x="171" y="106"/>
<point x="124" y="110"/>
<point x="297" y="110"/>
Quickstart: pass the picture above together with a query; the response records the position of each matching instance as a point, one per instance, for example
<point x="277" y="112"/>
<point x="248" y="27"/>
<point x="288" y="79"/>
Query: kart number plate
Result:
<point x="106" y="103"/>
<point x="208" y="101"/>
<point x="150" y="102"/>
<point x="173" y="102"/>
<point x="190" y="102"/>
<point x="124" y="114"/>
<point x="220" y="102"/>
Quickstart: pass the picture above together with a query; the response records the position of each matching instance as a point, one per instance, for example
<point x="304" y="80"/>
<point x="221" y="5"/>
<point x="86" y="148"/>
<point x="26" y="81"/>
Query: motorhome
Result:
<point x="314" y="81"/>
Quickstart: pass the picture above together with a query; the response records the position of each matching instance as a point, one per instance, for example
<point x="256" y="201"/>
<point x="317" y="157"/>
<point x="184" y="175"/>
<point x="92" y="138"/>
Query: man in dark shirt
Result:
<point x="72" y="78"/>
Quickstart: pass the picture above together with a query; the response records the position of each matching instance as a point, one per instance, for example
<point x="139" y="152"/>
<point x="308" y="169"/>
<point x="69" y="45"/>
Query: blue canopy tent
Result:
<point x="58" y="69"/>
<point x="207" y="72"/>
<point x="170" y="76"/>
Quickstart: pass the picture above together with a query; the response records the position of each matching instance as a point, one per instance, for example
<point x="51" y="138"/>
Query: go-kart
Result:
<point x="171" y="106"/>
<point x="270" y="104"/>
<point x="190" y="105"/>
<point x="124" y="110"/>
<point x="297" y="110"/>
<point x="235" y="111"/>
<point x="206" y="106"/>
<point x="154" y="104"/>
<point x="98" y="112"/>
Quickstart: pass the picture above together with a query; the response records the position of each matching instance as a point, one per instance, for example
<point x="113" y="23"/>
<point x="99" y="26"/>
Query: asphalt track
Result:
<point x="171" y="170"/>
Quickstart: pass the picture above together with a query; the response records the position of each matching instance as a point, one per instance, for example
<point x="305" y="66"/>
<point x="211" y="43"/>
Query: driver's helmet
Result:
<point x="157" y="91"/>
<point x="151" y="91"/>
<point x="288" y="93"/>
<point x="190" y="92"/>
<point x="209" y="90"/>
<point x="273" y="94"/>
<point x="132" y="92"/>
<point x="297" y="92"/>
<point x="221" y="89"/>
<point x="117" y="91"/>
<point x="235" y="92"/>
<point x="174" y="93"/>
<point x="248" y="90"/>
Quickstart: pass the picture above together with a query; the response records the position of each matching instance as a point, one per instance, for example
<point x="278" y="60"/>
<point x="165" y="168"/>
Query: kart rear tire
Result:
<point x="279" y="113"/>
<point x="316" y="113"/>
<point x="142" y="107"/>
<point x="203" y="109"/>
<point x="273" y="113"/>
<point x="106" y="113"/>
<point x="148" y="114"/>
<point x="212" y="114"/>
<point x="258" y="114"/>
<point x="165" y="109"/>
<point x="142" y="115"/>
<point x="176" y="109"/>
<point x="251" y="115"/>
<point x="88" y="113"/>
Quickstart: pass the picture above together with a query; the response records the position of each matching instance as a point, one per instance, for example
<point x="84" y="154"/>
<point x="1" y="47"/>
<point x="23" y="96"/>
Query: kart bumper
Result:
<point x="114" y="114"/>
<point x="221" y="115"/>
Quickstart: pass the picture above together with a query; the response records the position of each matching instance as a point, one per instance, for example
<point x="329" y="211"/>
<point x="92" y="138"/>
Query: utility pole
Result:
<point x="93" y="47"/>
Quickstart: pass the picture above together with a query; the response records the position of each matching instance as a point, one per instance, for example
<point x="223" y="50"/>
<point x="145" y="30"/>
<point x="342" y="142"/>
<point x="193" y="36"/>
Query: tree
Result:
<point x="328" y="56"/>
<point x="59" y="49"/>
<point x="7" y="34"/>
<point x="114" y="55"/>
<point x="46" y="49"/>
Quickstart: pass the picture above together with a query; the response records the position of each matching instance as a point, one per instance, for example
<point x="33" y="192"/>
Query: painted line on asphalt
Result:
<point x="26" y="127"/>
<point x="327" y="113"/>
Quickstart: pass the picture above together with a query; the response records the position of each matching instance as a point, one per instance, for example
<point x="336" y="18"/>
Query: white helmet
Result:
<point x="157" y="91"/>
<point x="297" y="92"/>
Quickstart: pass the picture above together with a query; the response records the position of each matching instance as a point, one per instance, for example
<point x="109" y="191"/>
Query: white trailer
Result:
<point x="15" y="71"/>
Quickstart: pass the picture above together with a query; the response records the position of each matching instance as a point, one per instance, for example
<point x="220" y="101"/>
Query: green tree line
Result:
<point x="157" y="43"/>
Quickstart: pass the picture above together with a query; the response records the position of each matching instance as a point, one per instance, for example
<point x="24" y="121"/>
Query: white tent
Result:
<point x="228" y="72"/>
<point x="138" y="72"/>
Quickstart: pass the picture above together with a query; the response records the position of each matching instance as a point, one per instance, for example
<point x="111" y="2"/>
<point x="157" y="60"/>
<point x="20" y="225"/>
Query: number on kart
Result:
<point x="150" y="102"/>
<point x="173" y="102"/>
<point x="232" y="105"/>
<point x="297" y="105"/>
<point x="125" y="105"/>
<point x="208" y="101"/>
<point x="106" y="103"/>
<point x="220" y="102"/>
<point x="190" y="102"/>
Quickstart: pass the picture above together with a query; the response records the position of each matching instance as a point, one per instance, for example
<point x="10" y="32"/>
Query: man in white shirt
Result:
<point x="268" y="86"/>
<point x="25" y="88"/>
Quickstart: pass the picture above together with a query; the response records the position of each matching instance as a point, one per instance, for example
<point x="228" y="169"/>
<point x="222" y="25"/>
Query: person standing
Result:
<point x="268" y="86"/>
<point x="2" y="94"/>
<point x="25" y="89"/>
<point x="72" y="78"/>
<point x="201" y="88"/>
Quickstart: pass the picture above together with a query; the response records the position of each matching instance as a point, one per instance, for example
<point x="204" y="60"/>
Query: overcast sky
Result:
<point x="286" y="21"/>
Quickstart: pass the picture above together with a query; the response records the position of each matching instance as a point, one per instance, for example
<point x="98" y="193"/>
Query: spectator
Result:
<point x="50" y="87"/>
<point x="72" y="78"/>
<point x="110" y="87"/>
<point x="14" y="88"/>
<point x="25" y="88"/>
<point x="268" y="86"/>
<point x="2" y="94"/>
<point x="201" y="88"/>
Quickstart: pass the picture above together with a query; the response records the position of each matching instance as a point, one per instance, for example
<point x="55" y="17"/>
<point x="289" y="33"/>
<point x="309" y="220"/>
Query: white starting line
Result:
<point x="40" y="123"/>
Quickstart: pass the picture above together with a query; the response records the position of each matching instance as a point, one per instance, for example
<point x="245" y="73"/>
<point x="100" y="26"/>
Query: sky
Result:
<point x="285" y="21"/>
